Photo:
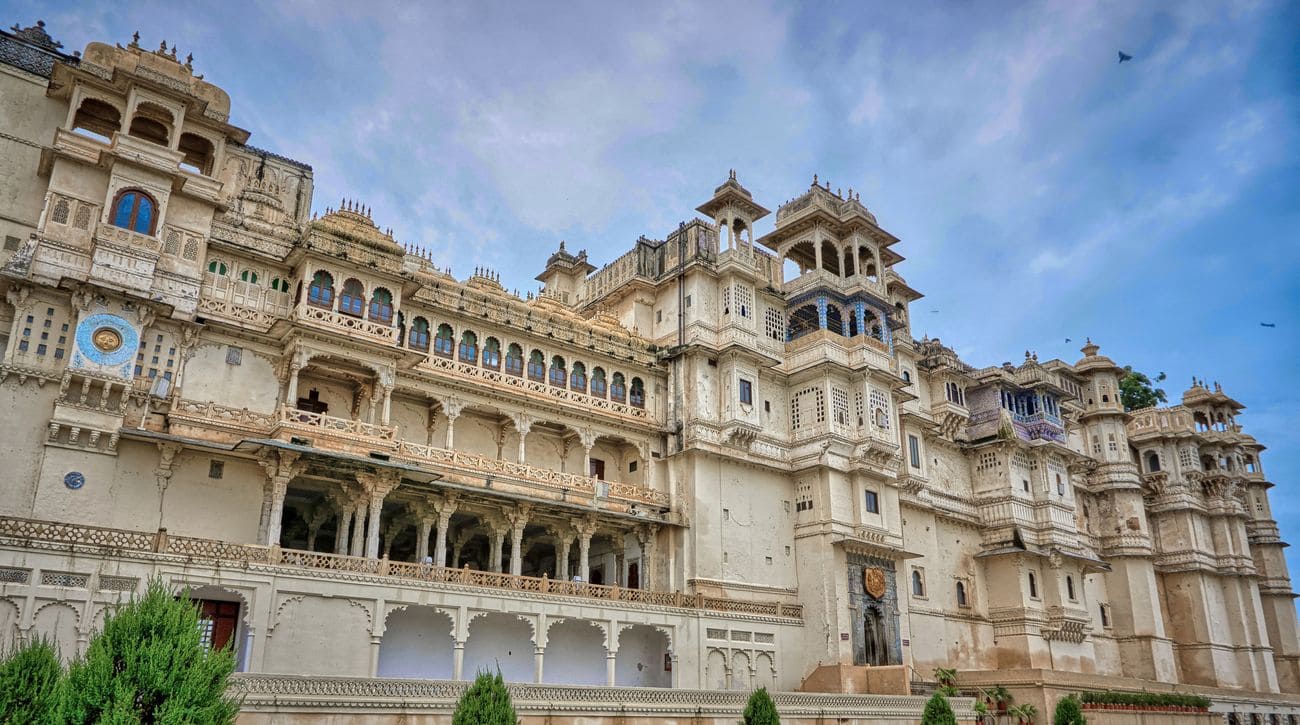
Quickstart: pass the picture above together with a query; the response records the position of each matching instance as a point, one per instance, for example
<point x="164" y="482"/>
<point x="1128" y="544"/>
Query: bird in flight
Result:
<point x="1067" y="339"/>
<point x="1268" y="324"/>
<point x="1124" y="56"/>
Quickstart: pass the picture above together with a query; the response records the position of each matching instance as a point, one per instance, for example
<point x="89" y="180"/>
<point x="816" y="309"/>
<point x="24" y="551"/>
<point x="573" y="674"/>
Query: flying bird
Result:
<point x="1268" y="324"/>
<point x="1067" y="339"/>
<point x="1124" y="56"/>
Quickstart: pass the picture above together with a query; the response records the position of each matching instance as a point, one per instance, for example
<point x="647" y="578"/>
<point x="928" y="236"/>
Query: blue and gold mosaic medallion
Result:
<point x="106" y="341"/>
<point x="74" y="480"/>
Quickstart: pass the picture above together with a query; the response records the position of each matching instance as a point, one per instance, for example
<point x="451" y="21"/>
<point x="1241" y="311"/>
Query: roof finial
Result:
<point x="815" y="180"/>
<point x="162" y="48"/>
<point x="135" y="40"/>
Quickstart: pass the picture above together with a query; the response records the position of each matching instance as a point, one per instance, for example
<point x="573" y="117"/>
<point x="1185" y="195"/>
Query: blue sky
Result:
<point x="1041" y="190"/>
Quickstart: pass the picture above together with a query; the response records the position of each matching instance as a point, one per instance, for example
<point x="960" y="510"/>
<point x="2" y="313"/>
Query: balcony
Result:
<point x="350" y="434"/>
<point x="824" y="280"/>
<point x="161" y="546"/>
<point x="354" y="327"/>
<point x="533" y="388"/>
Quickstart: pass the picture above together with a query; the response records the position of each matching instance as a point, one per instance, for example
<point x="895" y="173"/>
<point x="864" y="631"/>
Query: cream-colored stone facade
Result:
<point x="717" y="462"/>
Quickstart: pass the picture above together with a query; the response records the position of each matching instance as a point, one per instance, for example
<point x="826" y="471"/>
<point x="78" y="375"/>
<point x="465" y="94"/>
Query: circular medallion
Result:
<point x="106" y="339"/>
<point x="74" y="480"/>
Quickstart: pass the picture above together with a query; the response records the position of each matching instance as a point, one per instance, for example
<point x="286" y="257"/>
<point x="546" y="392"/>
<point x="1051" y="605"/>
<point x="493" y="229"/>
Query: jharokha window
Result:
<point x="353" y="298"/>
<point x="468" y="347"/>
<point x="637" y="397"/>
<point x="135" y="210"/>
<point x="559" y="376"/>
<point x="419" y="336"/>
<point x="381" y="306"/>
<point x="578" y="378"/>
<point x="618" y="389"/>
<point x="492" y="353"/>
<point x="443" y="342"/>
<point x="515" y="360"/>
<point x="536" y="366"/>
<point x="321" y="291"/>
<point x="598" y="386"/>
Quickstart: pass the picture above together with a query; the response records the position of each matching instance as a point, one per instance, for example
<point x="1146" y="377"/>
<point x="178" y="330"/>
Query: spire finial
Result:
<point x="135" y="39"/>
<point x="815" y="180"/>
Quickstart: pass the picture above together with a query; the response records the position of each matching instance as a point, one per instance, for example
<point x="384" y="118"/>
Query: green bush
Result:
<point x="149" y="665"/>
<point x="29" y="684"/>
<point x="1068" y="712"/>
<point x="1144" y="699"/>
<point x="938" y="712"/>
<point x="486" y="702"/>
<point x="760" y="710"/>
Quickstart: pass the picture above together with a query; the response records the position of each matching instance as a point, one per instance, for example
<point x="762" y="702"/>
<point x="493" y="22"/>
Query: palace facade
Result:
<point x="717" y="462"/>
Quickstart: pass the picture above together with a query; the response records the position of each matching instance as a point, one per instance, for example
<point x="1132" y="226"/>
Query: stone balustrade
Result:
<point x="307" y="422"/>
<point x="213" y="552"/>
<point x="385" y="334"/>
<point x="265" y="695"/>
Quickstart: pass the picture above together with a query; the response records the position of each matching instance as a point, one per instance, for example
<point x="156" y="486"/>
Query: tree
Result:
<point x="149" y="665"/>
<point x="1138" y="391"/>
<point x="1068" y="712"/>
<point x="760" y="710"/>
<point x="29" y="684"/>
<point x="486" y="702"/>
<point x="938" y="712"/>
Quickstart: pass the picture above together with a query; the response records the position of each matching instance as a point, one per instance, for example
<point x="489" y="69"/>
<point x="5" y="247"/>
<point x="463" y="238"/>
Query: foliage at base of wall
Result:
<point x="938" y="712"/>
<point x="1143" y="700"/>
<point x="486" y="702"/>
<point x="760" y="710"/>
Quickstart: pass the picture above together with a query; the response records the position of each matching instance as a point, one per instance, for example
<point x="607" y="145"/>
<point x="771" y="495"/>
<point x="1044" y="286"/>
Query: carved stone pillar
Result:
<point x="457" y="660"/>
<point x="451" y="407"/>
<point x="423" y="525"/>
<point x="647" y="536"/>
<point x="539" y="661"/>
<point x="445" y="509"/>
<point x="585" y="528"/>
<point x="319" y="516"/>
<point x="343" y="511"/>
<point x="499" y="527"/>
<point x="523" y="423"/>
<point x="563" y="545"/>
<point x="386" y="384"/>
<point x="376" y="486"/>
<point x="518" y="520"/>
<point x="358" y="526"/>
<point x="587" y="437"/>
<point x="280" y="467"/>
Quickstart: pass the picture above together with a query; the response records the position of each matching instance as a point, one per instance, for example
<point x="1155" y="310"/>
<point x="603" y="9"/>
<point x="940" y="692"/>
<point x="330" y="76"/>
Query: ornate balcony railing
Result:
<point x="221" y="553"/>
<point x="347" y="324"/>
<point x="570" y="483"/>
<point x="533" y="388"/>
<point x="307" y="421"/>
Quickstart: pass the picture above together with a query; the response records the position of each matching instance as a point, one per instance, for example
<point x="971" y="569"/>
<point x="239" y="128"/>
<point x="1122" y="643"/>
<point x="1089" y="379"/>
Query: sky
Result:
<point x="1042" y="190"/>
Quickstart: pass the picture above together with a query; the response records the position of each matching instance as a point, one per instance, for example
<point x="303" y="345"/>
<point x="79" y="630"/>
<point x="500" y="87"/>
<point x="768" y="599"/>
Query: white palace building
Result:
<point x="718" y="462"/>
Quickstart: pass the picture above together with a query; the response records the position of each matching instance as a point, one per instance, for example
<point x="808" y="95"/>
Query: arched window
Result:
<point x="419" y="336"/>
<point x="962" y="601"/>
<point x="381" y="306"/>
<point x="443" y="341"/>
<point x="492" y="353"/>
<point x="559" y="376"/>
<point x="637" y="395"/>
<point x="1153" y="462"/>
<point x="1069" y="587"/>
<point x="907" y="376"/>
<point x="918" y="583"/>
<point x="352" y="300"/>
<point x="321" y="291"/>
<point x="618" y="389"/>
<point x="536" y="366"/>
<point x="151" y="122"/>
<point x="279" y="284"/>
<point x="135" y="210"/>
<point x="97" y="119"/>
<point x="598" y="386"/>
<point x="248" y="276"/>
<point x="198" y="153"/>
<point x="468" y="347"/>
<point x="401" y="329"/>
<point x="1033" y="585"/>
<point x="515" y="359"/>
<point x="578" y="378"/>
<point x="218" y="268"/>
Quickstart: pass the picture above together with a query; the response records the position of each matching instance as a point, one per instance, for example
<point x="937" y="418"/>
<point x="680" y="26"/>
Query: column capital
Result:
<point x="518" y="517"/>
<point x="587" y="437"/>
<point x="166" y="458"/>
<point x="452" y="406"/>
<point x="445" y="505"/>
<point x="523" y="422"/>
<point x="379" y="484"/>
<point x="647" y="532"/>
<point x="281" y="465"/>
<point x="586" y="526"/>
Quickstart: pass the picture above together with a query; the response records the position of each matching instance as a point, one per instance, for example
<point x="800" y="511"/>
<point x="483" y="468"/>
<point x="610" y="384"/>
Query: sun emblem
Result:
<point x="106" y="339"/>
